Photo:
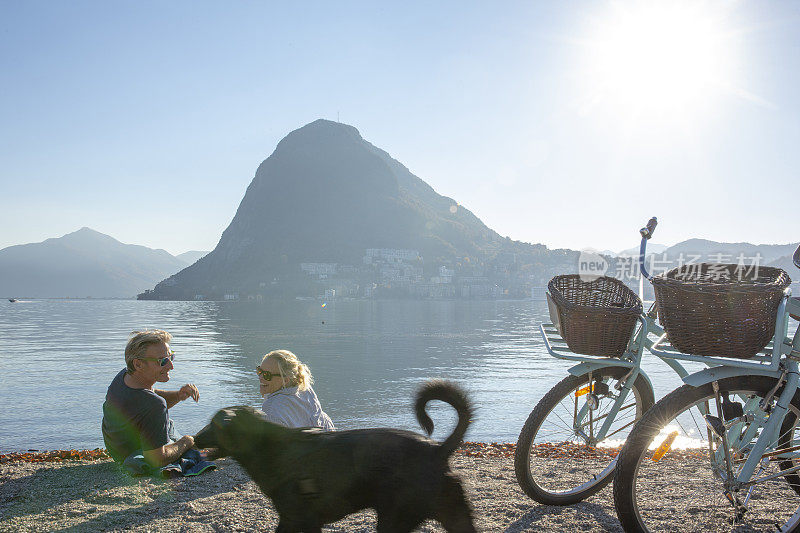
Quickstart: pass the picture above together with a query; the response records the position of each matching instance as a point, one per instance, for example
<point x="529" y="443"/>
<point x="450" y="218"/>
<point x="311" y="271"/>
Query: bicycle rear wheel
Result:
<point x="667" y="478"/>
<point x="554" y="461"/>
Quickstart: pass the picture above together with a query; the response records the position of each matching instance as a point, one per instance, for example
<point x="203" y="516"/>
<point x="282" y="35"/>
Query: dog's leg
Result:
<point x="453" y="509"/>
<point x="284" y="528"/>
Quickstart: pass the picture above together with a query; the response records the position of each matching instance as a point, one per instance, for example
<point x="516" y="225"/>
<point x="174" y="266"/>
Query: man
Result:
<point x="135" y="415"/>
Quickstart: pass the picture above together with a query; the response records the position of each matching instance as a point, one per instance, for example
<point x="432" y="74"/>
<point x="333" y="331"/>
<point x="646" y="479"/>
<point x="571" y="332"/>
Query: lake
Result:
<point x="57" y="358"/>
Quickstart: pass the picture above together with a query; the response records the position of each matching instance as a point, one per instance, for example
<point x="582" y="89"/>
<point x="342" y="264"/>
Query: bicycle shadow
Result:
<point x="542" y="517"/>
<point x="100" y="496"/>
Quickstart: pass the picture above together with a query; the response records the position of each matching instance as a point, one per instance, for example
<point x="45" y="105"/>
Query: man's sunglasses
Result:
<point x="162" y="361"/>
<point x="266" y="375"/>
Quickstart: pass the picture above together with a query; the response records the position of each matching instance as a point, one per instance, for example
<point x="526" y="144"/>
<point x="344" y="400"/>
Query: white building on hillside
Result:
<point x="389" y="255"/>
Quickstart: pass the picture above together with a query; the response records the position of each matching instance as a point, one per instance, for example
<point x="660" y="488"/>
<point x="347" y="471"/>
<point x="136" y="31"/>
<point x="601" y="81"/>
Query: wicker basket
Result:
<point x="721" y="310"/>
<point x="594" y="317"/>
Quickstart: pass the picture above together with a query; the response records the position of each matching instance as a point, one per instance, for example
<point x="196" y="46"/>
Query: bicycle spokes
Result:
<point x="691" y="454"/>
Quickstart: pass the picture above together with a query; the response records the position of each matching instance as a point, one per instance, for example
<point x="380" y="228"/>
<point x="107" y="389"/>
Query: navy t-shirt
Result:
<point x="133" y="419"/>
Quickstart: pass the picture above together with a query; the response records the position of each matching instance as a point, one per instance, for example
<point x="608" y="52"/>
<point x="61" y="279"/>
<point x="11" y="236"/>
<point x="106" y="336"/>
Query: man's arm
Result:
<point x="172" y="397"/>
<point x="169" y="453"/>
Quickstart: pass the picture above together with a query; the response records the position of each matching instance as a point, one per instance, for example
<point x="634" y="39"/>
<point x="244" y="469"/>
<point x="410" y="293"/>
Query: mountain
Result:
<point x="652" y="248"/>
<point x="326" y="195"/>
<point x="787" y="264"/>
<point x="80" y="264"/>
<point x="726" y="252"/>
<point x="191" y="256"/>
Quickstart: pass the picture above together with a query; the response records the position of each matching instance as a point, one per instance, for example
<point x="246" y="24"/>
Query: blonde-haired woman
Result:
<point x="289" y="400"/>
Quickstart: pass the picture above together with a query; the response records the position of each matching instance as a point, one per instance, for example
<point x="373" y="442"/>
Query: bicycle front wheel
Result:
<point x="558" y="459"/>
<point x="672" y="473"/>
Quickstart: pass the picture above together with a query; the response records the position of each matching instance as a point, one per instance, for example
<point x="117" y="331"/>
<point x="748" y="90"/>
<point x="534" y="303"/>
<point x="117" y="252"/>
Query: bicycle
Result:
<point x="725" y="447"/>
<point x="567" y="448"/>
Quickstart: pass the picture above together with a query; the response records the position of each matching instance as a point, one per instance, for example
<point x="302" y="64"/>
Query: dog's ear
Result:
<point x="224" y="416"/>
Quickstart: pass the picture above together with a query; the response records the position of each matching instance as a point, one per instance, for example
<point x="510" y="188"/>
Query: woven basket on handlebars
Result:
<point x="595" y="317"/>
<point x="718" y="309"/>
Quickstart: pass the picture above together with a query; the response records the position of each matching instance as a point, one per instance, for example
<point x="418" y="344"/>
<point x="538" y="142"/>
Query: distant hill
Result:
<point x="191" y="257"/>
<point x="85" y="263"/>
<point x="652" y="248"/>
<point x="712" y="251"/>
<point x="325" y="195"/>
<point x="787" y="264"/>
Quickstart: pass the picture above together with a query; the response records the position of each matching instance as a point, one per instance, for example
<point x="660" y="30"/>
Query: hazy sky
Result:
<point x="564" y="123"/>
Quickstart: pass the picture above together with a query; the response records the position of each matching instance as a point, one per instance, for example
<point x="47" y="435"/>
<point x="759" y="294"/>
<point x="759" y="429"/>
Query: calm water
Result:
<point x="57" y="358"/>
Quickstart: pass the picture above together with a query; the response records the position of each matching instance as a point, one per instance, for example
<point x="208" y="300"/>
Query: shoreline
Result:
<point x="474" y="449"/>
<point x="46" y="491"/>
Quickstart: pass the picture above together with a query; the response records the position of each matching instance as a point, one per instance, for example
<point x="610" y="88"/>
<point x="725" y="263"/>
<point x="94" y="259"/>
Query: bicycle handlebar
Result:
<point x="646" y="232"/>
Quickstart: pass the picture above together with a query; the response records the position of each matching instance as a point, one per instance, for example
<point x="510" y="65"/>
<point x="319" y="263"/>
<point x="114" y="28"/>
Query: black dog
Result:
<point x="314" y="478"/>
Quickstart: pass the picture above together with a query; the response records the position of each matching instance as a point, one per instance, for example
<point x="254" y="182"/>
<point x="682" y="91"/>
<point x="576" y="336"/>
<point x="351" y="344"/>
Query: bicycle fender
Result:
<point x="698" y="379"/>
<point x="584" y="368"/>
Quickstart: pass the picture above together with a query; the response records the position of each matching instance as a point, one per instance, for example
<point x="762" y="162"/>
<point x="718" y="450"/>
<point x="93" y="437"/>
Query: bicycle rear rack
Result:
<point x="763" y="359"/>
<point x="767" y="359"/>
<point x="557" y="347"/>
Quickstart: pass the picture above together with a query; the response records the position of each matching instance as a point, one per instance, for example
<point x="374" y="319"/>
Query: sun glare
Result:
<point x="660" y="57"/>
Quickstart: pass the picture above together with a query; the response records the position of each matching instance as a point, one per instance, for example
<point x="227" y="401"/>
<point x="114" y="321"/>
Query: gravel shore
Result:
<point x="80" y="495"/>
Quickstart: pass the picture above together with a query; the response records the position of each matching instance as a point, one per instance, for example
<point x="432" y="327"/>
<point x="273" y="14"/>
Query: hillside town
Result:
<point x="402" y="273"/>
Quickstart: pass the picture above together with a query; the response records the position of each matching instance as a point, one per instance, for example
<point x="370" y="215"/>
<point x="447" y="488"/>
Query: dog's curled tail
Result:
<point x="453" y="395"/>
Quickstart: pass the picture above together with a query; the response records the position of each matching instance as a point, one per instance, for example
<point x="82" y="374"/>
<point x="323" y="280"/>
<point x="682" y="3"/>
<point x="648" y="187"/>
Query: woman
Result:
<point x="289" y="400"/>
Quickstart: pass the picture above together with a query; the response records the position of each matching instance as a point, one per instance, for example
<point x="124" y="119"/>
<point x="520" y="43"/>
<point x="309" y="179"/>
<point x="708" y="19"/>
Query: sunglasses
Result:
<point x="162" y="361"/>
<point x="266" y="375"/>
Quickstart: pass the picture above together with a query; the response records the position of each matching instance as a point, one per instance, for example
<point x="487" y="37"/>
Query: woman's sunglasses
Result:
<point x="266" y="375"/>
<point x="162" y="361"/>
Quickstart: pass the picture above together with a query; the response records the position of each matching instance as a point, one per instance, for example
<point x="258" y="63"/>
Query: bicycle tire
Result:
<point x="563" y="473"/>
<point x="661" y="494"/>
<point x="790" y="436"/>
